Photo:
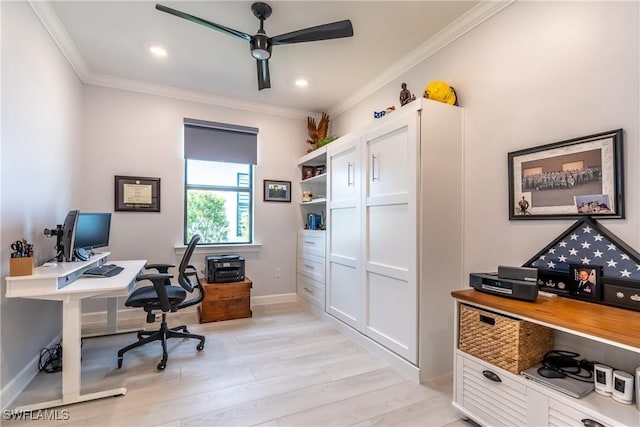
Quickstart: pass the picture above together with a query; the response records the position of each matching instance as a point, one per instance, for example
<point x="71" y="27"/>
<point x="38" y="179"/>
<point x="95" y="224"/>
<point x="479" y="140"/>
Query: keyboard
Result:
<point x="104" y="270"/>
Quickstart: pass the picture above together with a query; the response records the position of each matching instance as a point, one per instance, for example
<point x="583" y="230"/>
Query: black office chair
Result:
<point x="165" y="297"/>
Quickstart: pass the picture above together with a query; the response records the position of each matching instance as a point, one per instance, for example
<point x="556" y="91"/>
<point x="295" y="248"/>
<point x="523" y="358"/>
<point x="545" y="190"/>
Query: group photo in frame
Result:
<point x="572" y="178"/>
<point x="137" y="194"/>
<point x="277" y="191"/>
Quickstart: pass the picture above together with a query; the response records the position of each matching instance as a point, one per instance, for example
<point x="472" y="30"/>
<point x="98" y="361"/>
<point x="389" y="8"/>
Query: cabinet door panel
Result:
<point x="345" y="232"/>
<point x="344" y="291"/>
<point x="344" y="296"/>
<point x="390" y="320"/>
<point x="387" y="161"/>
<point x="388" y="236"/>
<point x="344" y="182"/>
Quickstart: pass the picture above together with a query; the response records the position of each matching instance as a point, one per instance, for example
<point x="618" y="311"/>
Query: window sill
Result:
<point x="220" y="249"/>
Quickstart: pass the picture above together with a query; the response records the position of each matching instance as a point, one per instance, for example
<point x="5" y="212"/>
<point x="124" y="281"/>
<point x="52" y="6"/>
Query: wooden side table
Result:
<point x="225" y="301"/>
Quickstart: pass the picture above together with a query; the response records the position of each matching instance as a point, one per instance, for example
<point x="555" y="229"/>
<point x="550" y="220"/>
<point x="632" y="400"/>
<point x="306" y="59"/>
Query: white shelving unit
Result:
<point x="311" y="262"/>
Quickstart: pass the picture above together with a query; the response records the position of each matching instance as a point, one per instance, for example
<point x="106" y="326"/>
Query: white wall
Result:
<point x="536" y="73"/>
<point x="133" y="134"/>
<point x="41" y="121"/>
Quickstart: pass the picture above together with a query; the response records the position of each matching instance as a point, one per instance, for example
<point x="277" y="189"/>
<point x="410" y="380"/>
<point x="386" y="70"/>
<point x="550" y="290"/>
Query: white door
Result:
<point x="391" y="159"/>
<point x="344" y="282"/>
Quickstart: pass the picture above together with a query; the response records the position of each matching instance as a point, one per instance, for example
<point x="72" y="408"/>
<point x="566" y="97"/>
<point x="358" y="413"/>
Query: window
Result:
<point x="219" y="161"/>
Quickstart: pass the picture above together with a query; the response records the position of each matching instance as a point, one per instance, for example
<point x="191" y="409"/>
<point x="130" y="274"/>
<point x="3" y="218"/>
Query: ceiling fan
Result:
<point x="261" y="44"/>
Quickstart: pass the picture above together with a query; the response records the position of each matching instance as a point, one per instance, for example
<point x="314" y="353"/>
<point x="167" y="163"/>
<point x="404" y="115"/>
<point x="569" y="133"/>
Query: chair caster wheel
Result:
<point x="200" y="347"/>
<point x="119" y="362"/>
<point x="161" y="366"/>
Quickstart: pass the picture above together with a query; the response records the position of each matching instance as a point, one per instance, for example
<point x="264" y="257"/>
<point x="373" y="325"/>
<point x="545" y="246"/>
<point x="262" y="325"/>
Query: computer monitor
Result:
<point x="92" y="231"/>
<point x="67" y="236"/>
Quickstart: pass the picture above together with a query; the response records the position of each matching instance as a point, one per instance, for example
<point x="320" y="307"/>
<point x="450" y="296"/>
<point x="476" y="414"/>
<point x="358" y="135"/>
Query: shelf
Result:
<point x="594" y="321"/>
<point x="318" y="179"/>
<point x="318" y="201"/>
<point x="314" y="158"/>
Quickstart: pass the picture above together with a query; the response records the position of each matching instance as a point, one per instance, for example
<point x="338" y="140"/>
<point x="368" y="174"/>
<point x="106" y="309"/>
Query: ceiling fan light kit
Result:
<point x="261" y="44"/>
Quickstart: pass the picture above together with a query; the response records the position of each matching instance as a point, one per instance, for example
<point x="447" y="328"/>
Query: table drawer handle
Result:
<point x="491" y="376"/>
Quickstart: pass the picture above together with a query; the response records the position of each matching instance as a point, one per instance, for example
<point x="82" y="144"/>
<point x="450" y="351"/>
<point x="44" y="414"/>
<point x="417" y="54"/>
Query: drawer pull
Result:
<point x="492" y="376"/>
<point x="309" y="242"/>
<point x="309" y="266"/>
<point x="488" y="320"/>
<point x="308" y="291"/>
<point x="588" y="422"/>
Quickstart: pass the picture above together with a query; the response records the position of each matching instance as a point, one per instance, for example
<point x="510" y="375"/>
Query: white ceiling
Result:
<point x="107" y="43"/>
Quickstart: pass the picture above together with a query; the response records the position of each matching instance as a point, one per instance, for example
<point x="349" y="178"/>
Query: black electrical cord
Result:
<point x="562" y="363"/>
<point x="51" y="359"/>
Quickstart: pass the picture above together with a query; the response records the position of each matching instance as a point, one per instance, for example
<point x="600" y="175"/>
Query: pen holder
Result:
<point x="21" y="266"/>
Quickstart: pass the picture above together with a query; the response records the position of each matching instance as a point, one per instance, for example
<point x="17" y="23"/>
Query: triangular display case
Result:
<point x="588" y="244"/>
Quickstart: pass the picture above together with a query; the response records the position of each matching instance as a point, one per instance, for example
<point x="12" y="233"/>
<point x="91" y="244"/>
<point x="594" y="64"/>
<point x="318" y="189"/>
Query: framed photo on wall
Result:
<point x="277" y="191"/>
<point x="572" y="178"/>
<point x="137" y="194"/>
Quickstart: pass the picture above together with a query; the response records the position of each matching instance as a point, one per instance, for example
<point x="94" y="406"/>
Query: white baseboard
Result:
<point x="273" y="299"/>
<point x="20" y="381"/>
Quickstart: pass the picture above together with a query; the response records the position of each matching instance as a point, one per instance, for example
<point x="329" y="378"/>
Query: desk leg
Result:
<point x="71" y="361"/>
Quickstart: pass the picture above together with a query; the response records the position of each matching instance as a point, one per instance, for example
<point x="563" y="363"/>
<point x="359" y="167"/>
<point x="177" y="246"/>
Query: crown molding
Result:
<point x="471" y="19"/>
<point x="194" y="96"/>
<point x="50" y="20"/>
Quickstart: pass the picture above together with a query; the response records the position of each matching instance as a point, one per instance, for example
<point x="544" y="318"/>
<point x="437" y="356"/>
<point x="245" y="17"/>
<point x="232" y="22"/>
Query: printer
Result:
<point x="224" y="268"/>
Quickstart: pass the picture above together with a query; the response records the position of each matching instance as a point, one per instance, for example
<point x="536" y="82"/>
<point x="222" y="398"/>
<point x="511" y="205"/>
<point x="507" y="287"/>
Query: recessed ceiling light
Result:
<point x="301" y="82"/>
<point x="158" y="51"/>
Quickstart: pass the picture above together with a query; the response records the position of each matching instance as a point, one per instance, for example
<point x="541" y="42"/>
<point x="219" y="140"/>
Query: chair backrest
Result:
<point x="183" y="278"/>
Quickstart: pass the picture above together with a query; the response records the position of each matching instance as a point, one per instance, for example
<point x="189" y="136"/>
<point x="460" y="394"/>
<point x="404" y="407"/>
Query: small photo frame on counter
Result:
<point x="585" y="281"/>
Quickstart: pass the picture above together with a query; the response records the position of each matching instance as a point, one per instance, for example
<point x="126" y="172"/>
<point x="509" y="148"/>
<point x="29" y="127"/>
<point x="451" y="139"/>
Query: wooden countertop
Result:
<point x="615" y="326"/>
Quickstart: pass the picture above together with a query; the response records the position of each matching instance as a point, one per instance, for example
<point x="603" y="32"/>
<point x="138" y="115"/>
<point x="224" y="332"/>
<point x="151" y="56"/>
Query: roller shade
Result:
<point x="220" y="142"/>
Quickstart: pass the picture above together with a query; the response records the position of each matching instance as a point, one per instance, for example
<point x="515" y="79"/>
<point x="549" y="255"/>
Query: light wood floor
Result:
<point x="282" y="367"/>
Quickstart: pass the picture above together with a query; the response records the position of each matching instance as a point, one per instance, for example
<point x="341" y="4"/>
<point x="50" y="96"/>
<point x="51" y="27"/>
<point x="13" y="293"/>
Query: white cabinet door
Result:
<point x="344" y="282"/>
<point x="390" y="200"/>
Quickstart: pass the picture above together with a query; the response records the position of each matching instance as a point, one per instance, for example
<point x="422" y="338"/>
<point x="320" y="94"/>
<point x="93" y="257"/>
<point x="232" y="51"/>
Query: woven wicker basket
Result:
<point x="512" y="344"/>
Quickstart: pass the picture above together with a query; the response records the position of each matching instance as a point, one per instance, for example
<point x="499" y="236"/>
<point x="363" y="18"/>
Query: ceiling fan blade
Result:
<point x="334" y="30"/>
<point x="264" y="82"/>
<point x="212" y="25"/>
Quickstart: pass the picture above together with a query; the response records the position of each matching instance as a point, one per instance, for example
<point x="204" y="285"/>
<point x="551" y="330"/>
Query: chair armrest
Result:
<point x="162" y="268"/>
<point x="154" y="277"/>
<point x="159" y="280"/>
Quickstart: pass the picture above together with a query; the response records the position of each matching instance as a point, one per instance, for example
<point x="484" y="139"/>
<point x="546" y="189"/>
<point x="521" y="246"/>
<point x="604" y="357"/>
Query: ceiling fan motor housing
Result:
<point x="260" y="46"/>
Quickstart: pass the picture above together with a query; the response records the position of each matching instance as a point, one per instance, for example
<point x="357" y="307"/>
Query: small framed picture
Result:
<point x="308" y="172"/>
<point x="319" y="170"/>
<point x="585" y="281"/>
<point x="277" y="191"/>
<point x="137" y="194"/>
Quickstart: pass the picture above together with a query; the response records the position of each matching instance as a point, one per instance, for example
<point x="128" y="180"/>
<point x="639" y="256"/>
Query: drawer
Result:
<point x="312" y="267"/>
<point x="311" y="242"/>
<point x="561" y="415"/>
<point x="311" y="290"/>
<point x="502" y="403"/>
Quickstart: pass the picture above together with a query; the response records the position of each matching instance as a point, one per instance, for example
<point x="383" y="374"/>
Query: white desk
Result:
<point x="64" y="283"/>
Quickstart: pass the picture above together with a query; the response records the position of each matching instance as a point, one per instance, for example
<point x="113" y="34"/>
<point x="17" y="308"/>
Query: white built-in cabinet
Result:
<point x="394" y="247"/>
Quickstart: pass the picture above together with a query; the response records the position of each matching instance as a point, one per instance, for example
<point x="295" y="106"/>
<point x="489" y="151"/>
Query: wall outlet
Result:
<point x="277" y="272"/>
